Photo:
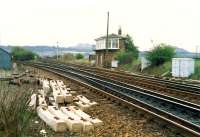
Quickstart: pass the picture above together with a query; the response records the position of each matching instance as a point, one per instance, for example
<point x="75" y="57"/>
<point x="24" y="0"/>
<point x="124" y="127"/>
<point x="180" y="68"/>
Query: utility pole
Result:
<point x="57" y="50"/>
<point x="105" y="58"/>
<point x="197" y="51"/>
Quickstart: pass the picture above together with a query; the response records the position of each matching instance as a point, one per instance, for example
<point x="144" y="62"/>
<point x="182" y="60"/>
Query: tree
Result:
<point x="127" y="55"/>
<point x="79" y="56"/>
<point x="160" y="54"/>
<point x="22" y="54"/>
<point x="68" y="57"/>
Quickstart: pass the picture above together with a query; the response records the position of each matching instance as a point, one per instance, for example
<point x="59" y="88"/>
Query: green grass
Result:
<point x="159" y="70"/>
<point x="133" y="67"/>
<point x="152" y="70"/>
<point x="196" y="74"/>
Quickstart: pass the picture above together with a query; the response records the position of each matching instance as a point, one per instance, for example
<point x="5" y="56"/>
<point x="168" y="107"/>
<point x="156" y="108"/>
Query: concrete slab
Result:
<point x="60" y="83"/>
<point x="33" y="102"/>
<point x="58" y="96"/>
<point x="42" y="101"/>
<point x="85" y="100"/>
<point x="96" y="122"/>
<point x="87" y="126"/>
<point x="67" y="96"/>
<point x="83" y="106"/>
<point x="52" y="83"/>
<point x="55" y="122"/>
<point x="72" y="124"/>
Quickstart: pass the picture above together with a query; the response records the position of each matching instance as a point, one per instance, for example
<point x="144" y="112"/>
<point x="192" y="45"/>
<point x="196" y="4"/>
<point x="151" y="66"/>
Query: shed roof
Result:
<point x="5" y="51"/>
<point x="110" y="36"/>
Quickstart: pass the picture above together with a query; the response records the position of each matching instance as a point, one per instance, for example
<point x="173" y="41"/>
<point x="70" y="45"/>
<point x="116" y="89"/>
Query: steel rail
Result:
<point x="132" y="80"/>
<point x="168" y="83"/>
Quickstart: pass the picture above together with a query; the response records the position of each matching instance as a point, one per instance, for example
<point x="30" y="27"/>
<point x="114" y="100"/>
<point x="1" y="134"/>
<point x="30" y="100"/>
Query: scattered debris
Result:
<point x="55" y="107"/>
<point x="87" y="126"/>
<point x="33" y="101"/>
<point x="72" y="124"/>
<point x="56" y="123"/>
<point x="82" y="114"/>
<point x="43" y="132"/>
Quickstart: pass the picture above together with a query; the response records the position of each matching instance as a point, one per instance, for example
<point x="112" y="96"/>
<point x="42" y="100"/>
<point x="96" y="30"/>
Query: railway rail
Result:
<point x="179" y="113"/>
<point x="190" y="94"/>
<point x="153" y="80"/>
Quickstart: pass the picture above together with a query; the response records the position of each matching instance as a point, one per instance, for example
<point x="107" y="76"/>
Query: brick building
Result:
<point x="104" y="56"/>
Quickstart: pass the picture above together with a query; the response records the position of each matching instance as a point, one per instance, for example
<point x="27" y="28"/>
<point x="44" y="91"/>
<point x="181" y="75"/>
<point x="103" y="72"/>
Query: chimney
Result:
<point x="119" y="31"/>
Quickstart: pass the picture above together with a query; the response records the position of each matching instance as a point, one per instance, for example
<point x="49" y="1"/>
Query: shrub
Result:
<point x="79" y="56"/>
<point x="130" y="47"/>
<point x="68" y="57"/>
<point x="160" y="54"/>
<point x="21" y="54"/>
<point x="127" y="55"/>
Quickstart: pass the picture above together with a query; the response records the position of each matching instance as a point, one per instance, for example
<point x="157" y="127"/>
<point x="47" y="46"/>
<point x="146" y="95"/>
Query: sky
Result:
<point x="44" y="22"/>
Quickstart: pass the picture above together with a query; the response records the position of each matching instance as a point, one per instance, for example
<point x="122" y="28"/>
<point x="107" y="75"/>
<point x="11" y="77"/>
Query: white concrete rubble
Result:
<point x="82" y="114"/>
<point x="33" y="101"/>
<point x="42" y="92"/>
<point x="56" y="123"/>
<point x="87" y="126"/>
<point x="72" y="124"/>
<point x="42" y="101"/>
<point x="60" y="83"/>
<point x="59" y="98"/>
<point x="53" y="83"/>
<point x="83" y="106"/>
<point x="67" y="96"/>
<point x="45" y="85"/>
<point x="85" y="100"/>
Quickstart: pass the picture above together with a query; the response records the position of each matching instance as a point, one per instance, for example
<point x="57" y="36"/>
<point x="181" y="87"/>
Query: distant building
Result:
<point x="5" y="59"/>
<point x="104" y="56"/>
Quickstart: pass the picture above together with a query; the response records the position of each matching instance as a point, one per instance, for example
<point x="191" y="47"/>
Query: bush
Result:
<point x="130" y="47"/>
<point x="21" y="54"/>
<point x="79" y="56"/>
<point x="127" y="55"/>
<point x="68" y="57"/>
<point x="160" y="54"/>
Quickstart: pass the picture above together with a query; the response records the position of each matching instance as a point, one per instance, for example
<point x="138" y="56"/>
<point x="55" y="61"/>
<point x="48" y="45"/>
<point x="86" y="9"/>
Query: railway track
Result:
<point x="153" y="80"/>
<point x="179" y="113"/>
<point x="158" y="85"/>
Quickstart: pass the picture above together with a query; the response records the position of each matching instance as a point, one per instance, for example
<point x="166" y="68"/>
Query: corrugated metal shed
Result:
<point x="5" y="59"/>
<point x="182" y="67"/>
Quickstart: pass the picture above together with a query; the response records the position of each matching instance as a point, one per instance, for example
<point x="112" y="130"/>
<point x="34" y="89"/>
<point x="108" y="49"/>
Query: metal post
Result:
<point x="57" y="51"/>
<point x="105" y="59"/>
<point x="196" y="51"/>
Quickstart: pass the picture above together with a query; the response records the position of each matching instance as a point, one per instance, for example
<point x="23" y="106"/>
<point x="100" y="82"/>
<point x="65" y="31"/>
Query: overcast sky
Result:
<point x="44" y="22"/>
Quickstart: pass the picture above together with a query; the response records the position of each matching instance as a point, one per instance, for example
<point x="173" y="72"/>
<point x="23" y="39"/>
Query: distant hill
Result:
<point x="86" y="49"/>
<point x="184" y="53"/>
<point x="44" y="50"/>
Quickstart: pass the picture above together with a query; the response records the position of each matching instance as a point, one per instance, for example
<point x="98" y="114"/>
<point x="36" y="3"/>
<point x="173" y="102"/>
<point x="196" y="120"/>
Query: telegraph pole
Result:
<point x="106" y="60"/>
<point x="197" y="51"/>
<point x="57" y="50"/>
